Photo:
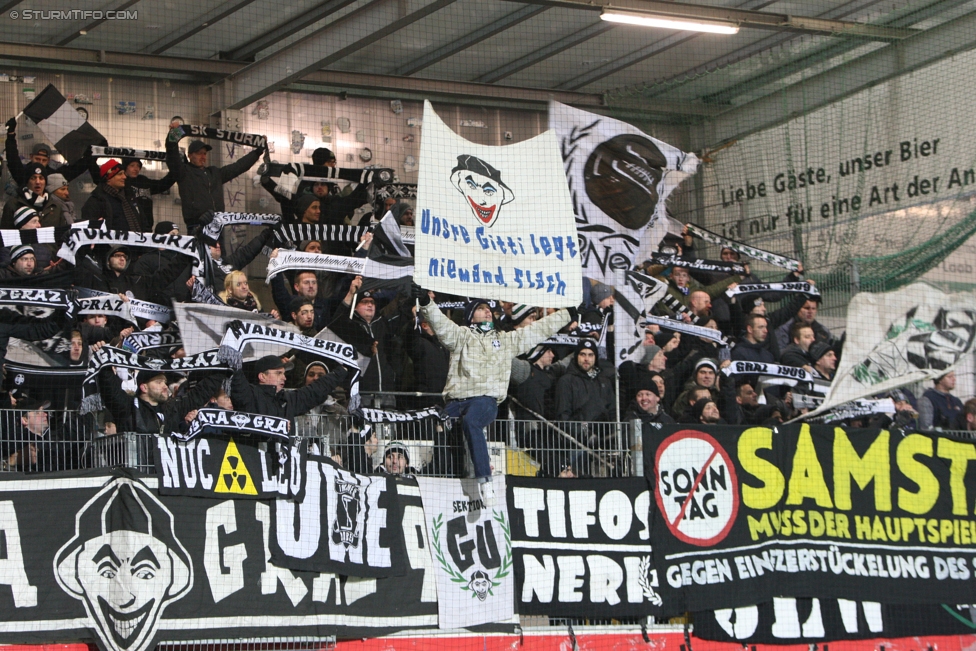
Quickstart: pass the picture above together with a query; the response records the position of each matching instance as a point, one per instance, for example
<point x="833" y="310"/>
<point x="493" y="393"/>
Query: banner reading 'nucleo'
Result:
<point x="495" y="222"/>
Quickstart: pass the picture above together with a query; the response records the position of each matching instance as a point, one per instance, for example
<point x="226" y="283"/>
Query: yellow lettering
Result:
<point x="806" y="478"/>
<point x="918" y="473"/>
<point x="959" y="455"/>
<point x="759" y="527"/>
<point x="874" y="466"/>
<point x="877" y="530"/>
<point x="769" y="494"/>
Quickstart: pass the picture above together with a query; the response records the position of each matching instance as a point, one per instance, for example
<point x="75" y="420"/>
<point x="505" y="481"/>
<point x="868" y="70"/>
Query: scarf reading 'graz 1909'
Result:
<point x="774" y="370"/>
<point x="751" y="251"/>
<point x="235" y="423"/>
<point x="109" y="356"/>
<point x="127" y="152"/>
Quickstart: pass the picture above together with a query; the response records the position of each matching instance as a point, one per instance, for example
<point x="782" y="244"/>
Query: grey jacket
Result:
<point x="481" y="362"/>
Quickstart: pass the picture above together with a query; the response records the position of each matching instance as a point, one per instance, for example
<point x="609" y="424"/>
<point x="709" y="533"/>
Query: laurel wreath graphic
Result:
<point x="456" y="577"/>
<point x="644" y="581"/>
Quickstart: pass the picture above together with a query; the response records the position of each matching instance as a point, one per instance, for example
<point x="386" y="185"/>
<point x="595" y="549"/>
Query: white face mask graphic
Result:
<point x="482" y="188"/>
<point x="125" y="564"/>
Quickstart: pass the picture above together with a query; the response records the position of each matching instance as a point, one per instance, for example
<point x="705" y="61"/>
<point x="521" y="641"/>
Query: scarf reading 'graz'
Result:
<point x="110" y="356"/>
<point x="235" y="423"/>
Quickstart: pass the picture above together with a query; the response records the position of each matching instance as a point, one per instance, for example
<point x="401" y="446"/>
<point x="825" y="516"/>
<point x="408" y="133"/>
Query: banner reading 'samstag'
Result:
<point x="495" y="222"/>
<point x="747" y="515"/>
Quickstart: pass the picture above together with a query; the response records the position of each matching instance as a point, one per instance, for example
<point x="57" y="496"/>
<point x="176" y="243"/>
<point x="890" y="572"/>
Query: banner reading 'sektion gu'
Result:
<point x="495" y="222"/>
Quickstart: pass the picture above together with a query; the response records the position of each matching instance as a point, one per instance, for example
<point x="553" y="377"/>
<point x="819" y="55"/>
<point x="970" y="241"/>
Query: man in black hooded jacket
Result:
<point x="268" y="396"/>
<point x="153" y="411"/>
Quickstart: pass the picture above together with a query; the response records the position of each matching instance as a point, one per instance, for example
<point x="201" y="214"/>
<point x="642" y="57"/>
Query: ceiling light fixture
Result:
<point x="657" y="20"/>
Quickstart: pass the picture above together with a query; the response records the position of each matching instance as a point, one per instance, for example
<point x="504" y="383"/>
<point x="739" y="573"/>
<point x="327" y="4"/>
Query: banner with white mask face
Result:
<point x="894" y="339"/>
<point x="471" y="546"/>
<point x="619" y="178"/>
<point x="495" y="222"/>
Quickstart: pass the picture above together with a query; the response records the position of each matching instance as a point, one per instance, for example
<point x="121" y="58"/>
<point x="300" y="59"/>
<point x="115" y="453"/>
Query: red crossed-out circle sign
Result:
<point x="697" y="488"/>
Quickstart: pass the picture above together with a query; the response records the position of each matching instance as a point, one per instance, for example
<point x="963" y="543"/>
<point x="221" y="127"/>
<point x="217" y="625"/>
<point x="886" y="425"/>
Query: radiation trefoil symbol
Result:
<point x="234" y="477"/>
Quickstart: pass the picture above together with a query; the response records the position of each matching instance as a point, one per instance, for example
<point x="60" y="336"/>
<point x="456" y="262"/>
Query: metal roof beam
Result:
<point x="926" y="48"/>
<point x="742" y="17"/>
<point x="253" y="46"/>
<point x="92" y="25"/>
<point x="193" y="28"/>
<point x="470" y="39"/>
<point x="332" y="43"/>
<point x="543" y="53"/>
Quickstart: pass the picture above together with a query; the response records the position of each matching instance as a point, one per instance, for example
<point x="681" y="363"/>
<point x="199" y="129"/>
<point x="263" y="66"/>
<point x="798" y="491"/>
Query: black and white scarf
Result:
<point x="222" y="422"/>
<point x="788" y="288"/>
<point x="127" y="152"/>
<point x="249" y="139"/>
<point x="289" y="176"/>
<point x="239" y="334"/>
<point x="859" y="408"/>
<point x="92" y="302"/>
<point x="139" y="342"/>
<point x="111" y="356"/>
<point x="297" y="260"/>
<point x="371" y="415"/>
<point x="54" y="299"/>
<point x="48" y="235"/>
<point x="35" y="200"/>
<point x="201" y="293"/>
<point x="221" y="219"/>
<point x="751" y="251"/>
<point x="84" y="236"/>
<point x="293" y="233"/>
<point x="773" y="370"/>
<point x="687" y="328"/>
<point x="697" y="264"/>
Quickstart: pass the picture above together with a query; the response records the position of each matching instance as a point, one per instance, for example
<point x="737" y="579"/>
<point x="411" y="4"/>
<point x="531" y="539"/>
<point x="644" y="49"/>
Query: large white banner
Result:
<point x="619" y="179"/>
<point x="495" y="222"/>
<point x="897" y="338"/>
<point x="471" y="546"/>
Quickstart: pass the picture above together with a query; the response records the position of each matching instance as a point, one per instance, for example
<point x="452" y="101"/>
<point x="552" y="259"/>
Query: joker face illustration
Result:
<point x="125" y="563"/>
<point x="480" y="584"/>
<point x="482" y="187"/>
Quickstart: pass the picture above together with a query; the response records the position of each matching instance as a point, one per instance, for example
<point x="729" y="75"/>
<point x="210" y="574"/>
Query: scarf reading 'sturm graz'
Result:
<point x="221" y="219"/>
<point x="84" y="236"/>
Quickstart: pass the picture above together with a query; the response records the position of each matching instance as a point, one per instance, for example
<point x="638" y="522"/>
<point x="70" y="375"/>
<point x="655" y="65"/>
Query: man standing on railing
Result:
<point x="480" y="368"/>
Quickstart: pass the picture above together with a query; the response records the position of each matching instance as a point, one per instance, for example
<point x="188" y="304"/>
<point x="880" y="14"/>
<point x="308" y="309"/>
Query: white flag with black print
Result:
<point x="54" y="115"/>
<point x="619" y="179"/>
<point x="914" y="334"/>
<point x="634" y="296"/>
<point x="471" y="547"/>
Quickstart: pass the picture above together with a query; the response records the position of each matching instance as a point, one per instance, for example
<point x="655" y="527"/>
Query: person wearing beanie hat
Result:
<point x="32" y="194"/>
<point x="41" y="155"/>
<point x="654" y="358"/>
<point x="480" y="368"/>
<point x="59" y="195"/>
<point x="23" y="262"/>
<point x="166" y="228"/>
<point x="396" y="460"/>
<point x="704" y="376"/>
<point x="201" y="186"/>
<point x="534" y="378"/>
<point x="601" y="296"/>
<point x="308" y="209"/>
<point x="646" y="405"/>
<point x="26" y="218"/>
<point x="824" y="359"/>
<point x="705" y="412"/>
<point x="585" y="392"/>
<point x="114" y="202"/>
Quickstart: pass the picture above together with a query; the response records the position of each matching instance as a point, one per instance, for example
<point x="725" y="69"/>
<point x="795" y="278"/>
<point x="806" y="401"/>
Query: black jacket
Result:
<point x="13" y="324"/>
<point x="380" y="374"/>
<point x="202" y="188"/>
<point x="18" y="170"/>
<point x="267" y="401"/>
<point x="634" y="412"/>
<point x="145" y="285"/>
<point x="134" y="415"/>
<point x="102" y="205"/>
<point x="144" y="187"/>
<point x="580" y="397"/>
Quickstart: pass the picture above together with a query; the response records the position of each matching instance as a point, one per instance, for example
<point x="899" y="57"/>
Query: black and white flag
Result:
<point x="58" y="119"/>
<point x="620" y="179"/>
<point x="633" y="299"/>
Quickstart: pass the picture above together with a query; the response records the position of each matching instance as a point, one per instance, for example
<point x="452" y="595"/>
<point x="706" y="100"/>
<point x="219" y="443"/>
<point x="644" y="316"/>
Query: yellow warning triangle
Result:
<point x="234" y="477"/>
